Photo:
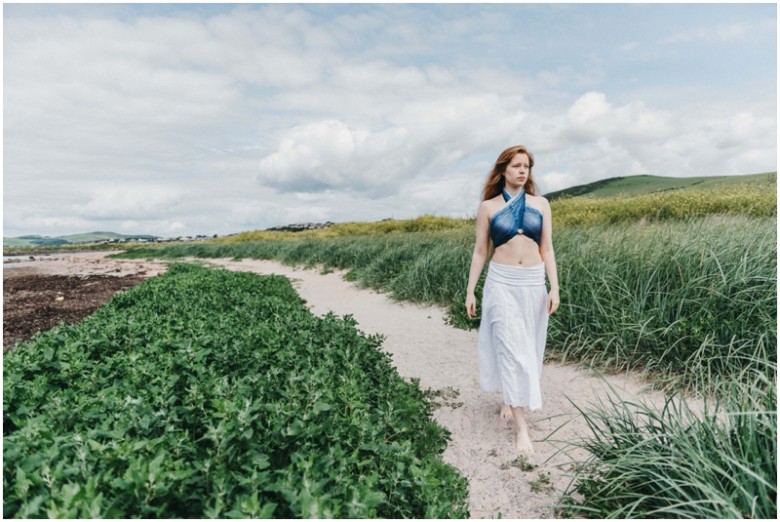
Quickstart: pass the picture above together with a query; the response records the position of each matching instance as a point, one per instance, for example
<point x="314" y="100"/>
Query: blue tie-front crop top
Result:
<point x="515" y="218"/>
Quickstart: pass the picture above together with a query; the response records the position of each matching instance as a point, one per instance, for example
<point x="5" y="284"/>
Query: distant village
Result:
<point x="153" y="239"/>
<point x="300" y="227"/>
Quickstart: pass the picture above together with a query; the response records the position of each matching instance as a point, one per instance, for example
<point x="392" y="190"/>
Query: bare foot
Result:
<point x="506" y="412"/>
<point x="523" y="443"/>
<point x="522" y="438"/>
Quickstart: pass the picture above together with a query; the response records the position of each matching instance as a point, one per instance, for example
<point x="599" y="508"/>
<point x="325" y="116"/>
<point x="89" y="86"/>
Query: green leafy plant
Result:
<point x="208" y="393"/>
<point x="520" y="462"/>
<point x="542" y="483"/>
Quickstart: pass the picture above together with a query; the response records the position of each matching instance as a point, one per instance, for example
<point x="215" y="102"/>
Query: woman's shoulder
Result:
<point x="492" y="202"/>
<point x="541" y="203"/>
<point x="488" y="207"/>
<point x="539" y="200"/>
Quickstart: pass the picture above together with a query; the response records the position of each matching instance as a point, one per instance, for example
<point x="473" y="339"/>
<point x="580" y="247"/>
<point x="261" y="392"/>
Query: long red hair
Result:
<point x="495" y="180"/>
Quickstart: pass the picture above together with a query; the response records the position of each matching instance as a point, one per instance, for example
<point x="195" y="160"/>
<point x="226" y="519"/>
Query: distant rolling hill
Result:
<point x="646" y="184"/>
<point x="73" y="239"/>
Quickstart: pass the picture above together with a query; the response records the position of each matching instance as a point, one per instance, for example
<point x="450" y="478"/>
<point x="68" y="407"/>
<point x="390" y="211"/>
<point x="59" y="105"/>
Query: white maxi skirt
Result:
<point x="513" y="333"/>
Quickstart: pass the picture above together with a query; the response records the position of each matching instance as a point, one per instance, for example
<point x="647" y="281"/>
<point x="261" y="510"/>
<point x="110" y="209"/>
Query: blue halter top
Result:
<point x="515" y="218"/>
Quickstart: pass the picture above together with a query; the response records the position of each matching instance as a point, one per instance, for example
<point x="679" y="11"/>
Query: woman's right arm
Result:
<point x="478" y="258"/>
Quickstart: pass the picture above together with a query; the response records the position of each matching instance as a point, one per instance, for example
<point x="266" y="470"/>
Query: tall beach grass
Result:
<point x="663" y="297"/>
<point x="680" y="463"/>
<point x="687" y="301"/>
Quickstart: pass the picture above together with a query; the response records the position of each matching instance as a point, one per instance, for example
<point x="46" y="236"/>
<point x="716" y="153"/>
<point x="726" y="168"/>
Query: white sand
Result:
<point x="422" y="345"/>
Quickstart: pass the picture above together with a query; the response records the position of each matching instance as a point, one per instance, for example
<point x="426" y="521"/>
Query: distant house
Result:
<point x="300" y="227"/>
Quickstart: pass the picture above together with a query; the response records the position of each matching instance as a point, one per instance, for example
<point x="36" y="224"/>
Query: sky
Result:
<point x="184" y="119"/>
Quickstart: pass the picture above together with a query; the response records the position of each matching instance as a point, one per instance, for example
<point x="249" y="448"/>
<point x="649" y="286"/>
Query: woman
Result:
<point x="515" y="303"/>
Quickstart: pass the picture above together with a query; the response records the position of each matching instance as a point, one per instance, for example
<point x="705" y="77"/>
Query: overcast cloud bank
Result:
<point x="216" y="119"/>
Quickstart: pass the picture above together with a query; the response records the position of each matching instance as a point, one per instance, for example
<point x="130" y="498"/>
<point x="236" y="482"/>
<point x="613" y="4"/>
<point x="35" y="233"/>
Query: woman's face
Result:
<point x="518" y="170"/>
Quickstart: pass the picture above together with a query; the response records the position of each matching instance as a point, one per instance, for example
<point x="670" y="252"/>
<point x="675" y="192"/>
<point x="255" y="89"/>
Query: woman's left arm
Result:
<point x="548" y="256"/>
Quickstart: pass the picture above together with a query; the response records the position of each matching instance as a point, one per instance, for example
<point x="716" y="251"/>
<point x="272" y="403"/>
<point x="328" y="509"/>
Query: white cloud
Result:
<point x="187" y="122"/>
<point x="425" y="136"/>
<point x="258" y="213"/>
<point x="315" y="156"/>
<point x="175" y="226"/>
<point x="589" y="107"/>
<point x="592" y="117"/>
<point x="554" y="181"/>
<point x="146" y="202"/>
<point x="595" y="139"/>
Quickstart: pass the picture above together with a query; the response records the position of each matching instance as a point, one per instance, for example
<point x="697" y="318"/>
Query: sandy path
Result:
<point x="442" y="357"/>
<point x="422" y="345"/>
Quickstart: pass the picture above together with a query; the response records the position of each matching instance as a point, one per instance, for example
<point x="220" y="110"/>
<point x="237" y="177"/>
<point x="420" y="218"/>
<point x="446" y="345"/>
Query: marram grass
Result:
<point x="426" y="223"/>
<point x="670" y="298"/>
<point x="654" y="296"/>
<point x="680" y="463"/>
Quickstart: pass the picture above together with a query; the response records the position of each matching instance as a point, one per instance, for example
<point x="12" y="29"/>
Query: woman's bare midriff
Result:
<point x="518" y="251"/>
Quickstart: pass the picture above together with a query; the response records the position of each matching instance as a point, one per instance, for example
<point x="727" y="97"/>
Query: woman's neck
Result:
<point x="513" y="191"/>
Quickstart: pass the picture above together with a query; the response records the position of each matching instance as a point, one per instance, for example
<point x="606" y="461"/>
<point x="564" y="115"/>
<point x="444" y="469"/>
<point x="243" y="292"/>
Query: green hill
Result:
<point x="72" y="239"/>
<point x="91" y="237"/>
<point x="17" y="242"/>
<point x="646" y="184"/>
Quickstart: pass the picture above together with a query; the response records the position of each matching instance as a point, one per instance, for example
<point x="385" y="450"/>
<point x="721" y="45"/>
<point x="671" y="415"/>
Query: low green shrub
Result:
<point x="208" y="393"/>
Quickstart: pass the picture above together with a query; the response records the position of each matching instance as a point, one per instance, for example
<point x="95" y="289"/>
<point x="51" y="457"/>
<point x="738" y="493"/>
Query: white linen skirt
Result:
<point x="513" y="333"/>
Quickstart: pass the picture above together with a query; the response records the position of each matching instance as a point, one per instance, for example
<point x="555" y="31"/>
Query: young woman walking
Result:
<point x="515" y="302"/>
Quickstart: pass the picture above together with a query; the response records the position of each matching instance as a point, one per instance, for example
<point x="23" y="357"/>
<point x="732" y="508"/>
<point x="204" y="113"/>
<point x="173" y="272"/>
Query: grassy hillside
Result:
<point x="645" y="184"/>
<point x="34" y="241"/>
<point x="756" y="199"/>
<point x="91" y="237"/>
<point x="15" y="242"/>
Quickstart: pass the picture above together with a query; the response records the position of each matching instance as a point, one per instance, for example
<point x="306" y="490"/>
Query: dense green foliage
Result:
<point x="677" y="463"/>
<point x="208" y="393"/>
